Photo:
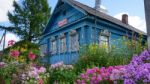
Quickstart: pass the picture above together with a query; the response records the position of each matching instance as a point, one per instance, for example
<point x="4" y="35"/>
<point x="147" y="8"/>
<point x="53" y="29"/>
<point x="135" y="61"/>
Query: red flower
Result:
<point x="11" y="42"/>
<point x="15" y="53"/>
<point x="31" y="56"/>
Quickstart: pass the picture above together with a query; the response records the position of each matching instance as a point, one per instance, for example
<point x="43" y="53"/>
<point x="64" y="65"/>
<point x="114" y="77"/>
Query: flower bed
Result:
<point x="137" y="72"/>
<point x="15" y="71"/>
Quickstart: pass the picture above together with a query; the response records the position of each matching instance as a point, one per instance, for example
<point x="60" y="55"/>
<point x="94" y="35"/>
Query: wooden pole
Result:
<point x="4" y="40"/>
<point x="147" y="16"/>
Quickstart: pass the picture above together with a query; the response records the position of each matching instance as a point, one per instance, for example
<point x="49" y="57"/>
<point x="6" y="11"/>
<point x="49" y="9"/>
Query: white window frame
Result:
<point x="104" y="40"/>
<point x="63" y="46"/>
<point x="53" y="47"/>
<point x="74" y="42"/>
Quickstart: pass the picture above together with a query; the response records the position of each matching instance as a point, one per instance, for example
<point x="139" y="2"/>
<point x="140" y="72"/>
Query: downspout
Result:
<point x="147" y="16"/>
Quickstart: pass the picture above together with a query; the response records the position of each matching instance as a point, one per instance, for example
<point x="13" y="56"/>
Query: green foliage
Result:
<point x="91" y="56"/>
<point x="119" y="54"/>
<point x="29" y="19"/>
<point x="62" y="76"/>
<point x="9" y="69"/>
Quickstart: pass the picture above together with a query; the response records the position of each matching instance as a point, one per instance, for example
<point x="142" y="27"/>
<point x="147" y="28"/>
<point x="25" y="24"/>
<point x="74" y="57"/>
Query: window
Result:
<point x="53" y="47"/>
<point x="62" y="45"/>
<point x="74" y="42"/>
<point x="43" y="50"/>
<point x="104" y="41"/>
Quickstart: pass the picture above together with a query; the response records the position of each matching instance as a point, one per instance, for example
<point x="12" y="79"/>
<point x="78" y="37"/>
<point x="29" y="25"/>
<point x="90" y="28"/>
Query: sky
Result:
<point x="115" y="8"/>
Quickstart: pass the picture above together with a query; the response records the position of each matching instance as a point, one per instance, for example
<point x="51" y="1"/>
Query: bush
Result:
<point x="7" y="70"/>
<point x="136" y="72"/>
<point x="119" y="54"/>
<point x="91" y="56"/>
<point x="22" y="48"/>
<point x="62" y="74"/>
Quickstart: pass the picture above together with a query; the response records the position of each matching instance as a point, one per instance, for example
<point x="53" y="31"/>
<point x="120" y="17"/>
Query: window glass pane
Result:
<point x="74" y="43"/>
<point x="53" y="47"/>
<point x="104" y="41"/>
<point x="104" y="38"/>
<point x="62" y="45"/>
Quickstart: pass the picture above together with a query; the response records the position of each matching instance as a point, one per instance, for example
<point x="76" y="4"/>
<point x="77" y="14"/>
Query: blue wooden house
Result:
<point x="74" y="24"/>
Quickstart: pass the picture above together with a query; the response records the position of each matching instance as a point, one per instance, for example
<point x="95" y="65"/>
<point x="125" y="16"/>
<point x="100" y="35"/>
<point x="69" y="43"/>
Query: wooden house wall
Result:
<point x="87" y="27"/>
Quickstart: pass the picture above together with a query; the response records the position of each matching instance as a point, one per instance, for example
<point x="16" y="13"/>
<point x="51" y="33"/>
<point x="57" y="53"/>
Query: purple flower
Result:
<point x="129" y="81"/>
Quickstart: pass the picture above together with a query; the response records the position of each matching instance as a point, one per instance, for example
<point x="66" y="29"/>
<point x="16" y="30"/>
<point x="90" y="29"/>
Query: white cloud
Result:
<point x="103" y="7"/>
<point x="135" y="21"/>
<point x="9" y="36"/>
<point x="5" y="6"/>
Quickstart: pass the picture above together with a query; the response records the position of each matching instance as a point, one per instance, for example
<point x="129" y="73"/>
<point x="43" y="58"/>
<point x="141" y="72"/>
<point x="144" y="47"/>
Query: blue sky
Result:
<point x="134" y="8"/>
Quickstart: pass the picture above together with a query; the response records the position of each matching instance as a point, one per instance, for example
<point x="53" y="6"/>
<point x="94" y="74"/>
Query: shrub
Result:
<point x="136" y="72"/>
<point x="6" y="70"/>
<point x="120" y="53"/>
<point x="101" y="75"/>
<point x="62" y="74"/>
<point x="16" y="73"/>
<point x="21" y="51"/>
<point x="91" y="56"/>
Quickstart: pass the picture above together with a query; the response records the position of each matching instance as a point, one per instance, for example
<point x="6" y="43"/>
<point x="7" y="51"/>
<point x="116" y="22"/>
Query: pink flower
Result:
<point x="2" y="64"/>
<point x="15" y="53"/>
<point x="90" y="71"/>
<point x="41" y="81"/>
<point x="31" y="56"/>
<point x="11" y="42"/>
<point x="83" y="76"/>
<point x="42" y="70"/>
<point x="99" y="78"/>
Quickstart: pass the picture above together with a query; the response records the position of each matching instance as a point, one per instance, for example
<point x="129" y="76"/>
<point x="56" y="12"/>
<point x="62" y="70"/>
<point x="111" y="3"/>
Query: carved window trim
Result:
<point x="63" y="45"/>
<point x="104" y="38"/>
<point x="74" y="41"/>
<point x="53" y="45"/>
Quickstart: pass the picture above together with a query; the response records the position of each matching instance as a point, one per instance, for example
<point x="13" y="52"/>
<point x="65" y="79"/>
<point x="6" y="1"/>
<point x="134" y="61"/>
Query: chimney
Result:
<point x="125" y="18"/>
<point x="98" y="5"/>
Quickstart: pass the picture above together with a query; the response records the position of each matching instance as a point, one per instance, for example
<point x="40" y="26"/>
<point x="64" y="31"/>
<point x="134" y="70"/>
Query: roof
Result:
<point x="104" y="16"/>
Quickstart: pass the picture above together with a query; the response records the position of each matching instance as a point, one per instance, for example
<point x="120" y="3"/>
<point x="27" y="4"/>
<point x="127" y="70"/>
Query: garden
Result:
<point x="128" y="64"/>
<point x="127" y="61"/>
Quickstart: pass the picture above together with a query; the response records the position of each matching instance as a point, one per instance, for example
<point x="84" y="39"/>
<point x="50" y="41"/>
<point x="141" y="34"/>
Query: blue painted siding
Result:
<point x="71" y="15"/>
<point x="67" y="57"/>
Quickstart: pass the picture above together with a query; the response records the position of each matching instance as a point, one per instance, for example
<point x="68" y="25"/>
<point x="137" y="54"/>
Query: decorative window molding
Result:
<point x="105" y="32"/>
<point x="74" y="41"/>
<point x="73" y="32"/>
<point x="61" y="36"/>
<point x="62" y="43"/>
<point x="43" y="50"/>
<point x="104" y="39"/>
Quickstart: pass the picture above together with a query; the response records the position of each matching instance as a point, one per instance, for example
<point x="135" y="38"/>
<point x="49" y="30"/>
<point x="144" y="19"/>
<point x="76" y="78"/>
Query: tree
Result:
<point x="29" y="19"/>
